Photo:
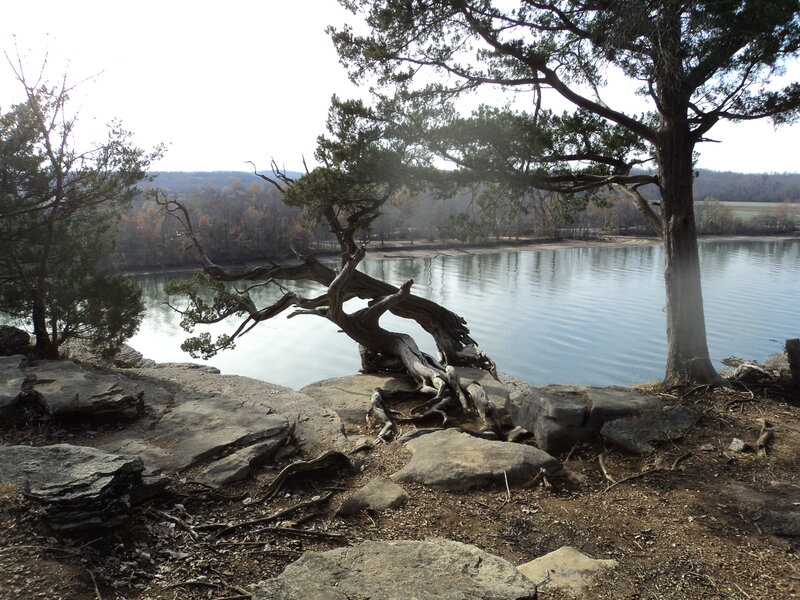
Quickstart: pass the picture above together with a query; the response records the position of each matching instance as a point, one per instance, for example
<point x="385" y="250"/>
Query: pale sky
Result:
<point x="244" y="80"/>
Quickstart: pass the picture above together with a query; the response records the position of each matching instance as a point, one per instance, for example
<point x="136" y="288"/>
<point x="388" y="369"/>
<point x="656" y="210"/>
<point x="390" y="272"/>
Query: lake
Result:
<point x="572" y="315"/>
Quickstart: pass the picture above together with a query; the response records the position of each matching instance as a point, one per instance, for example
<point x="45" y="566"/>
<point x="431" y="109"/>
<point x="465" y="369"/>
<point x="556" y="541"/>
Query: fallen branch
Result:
<point x="177" y="520"/>
<point x="324" y="460"/>
<point x="272" y="517"/>
<point x="649" y="472"/>
<point x="291" y="531"/>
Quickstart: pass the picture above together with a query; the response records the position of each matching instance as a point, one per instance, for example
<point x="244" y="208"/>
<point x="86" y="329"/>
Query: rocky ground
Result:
<point x="233" y="480"/>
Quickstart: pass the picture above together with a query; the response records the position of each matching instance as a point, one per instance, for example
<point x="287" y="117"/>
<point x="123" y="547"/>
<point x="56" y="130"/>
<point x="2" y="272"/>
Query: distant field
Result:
<point x="748" y="210"/>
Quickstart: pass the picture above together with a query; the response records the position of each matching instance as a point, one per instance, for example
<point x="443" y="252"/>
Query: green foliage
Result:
<point x="698" y="62"/>
<point x="59" y="208"/>
<point x="207" y="301"/>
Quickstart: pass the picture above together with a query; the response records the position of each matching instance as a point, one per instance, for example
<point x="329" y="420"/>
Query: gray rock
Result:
<point x="610" y="403"/>
<point x="561" y="415"/>
<point x="207" y="369"/>
<point x="319" y="429"/>
<point x="13" y="340"/>
<point x="565" y="568"/>
<point x="202" y="427"/>
<point x="11" y="379"/>
<point x="67" y="388"/>
<point x="452" y="460"/>
<point x="738" y="445"/>
<point x="435" y="569"/>
<point x="238" y="465"/>
<point x="80" y="487"/>
<point x="515" y="386"/>
<point x="636" y="434"/>
<point x="379" y="494"/>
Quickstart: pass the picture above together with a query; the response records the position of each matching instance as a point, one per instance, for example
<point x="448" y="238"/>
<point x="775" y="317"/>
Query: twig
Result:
<point x="94" y="583"/>
<point x="272" y="517"/>
<point x="572" y="450"/>
<point x="649" y="472"/>
<point x="177" y="520"/>
<point x="290" y="531"/>
<point x="540" y="476"/>
<point x="605" y="471"/>
<point x="508" y="490"/>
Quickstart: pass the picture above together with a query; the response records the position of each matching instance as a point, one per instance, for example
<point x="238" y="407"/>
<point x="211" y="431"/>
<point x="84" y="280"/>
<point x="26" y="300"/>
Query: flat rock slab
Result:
<point x="561" y="415"/>
<point x="66" y="388"/>
<point x="453" y="460"/>
<point x="205" y="427"/>
<point x="636" y="434"/>
<point x="565" y="568"/>
<point x="235" y="421"/>
<point x="434" y="569"/>
<point x="80" y="486"/>
<point x="379" y="494"/>
<point x="238" y="465"/>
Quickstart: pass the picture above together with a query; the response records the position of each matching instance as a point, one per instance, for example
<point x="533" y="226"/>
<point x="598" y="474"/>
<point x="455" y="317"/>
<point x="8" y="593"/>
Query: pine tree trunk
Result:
<point x="45" y="347"/>
<point x="687" y="349"/>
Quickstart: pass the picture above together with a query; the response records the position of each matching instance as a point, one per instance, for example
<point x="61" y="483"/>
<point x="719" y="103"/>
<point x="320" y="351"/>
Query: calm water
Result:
<point x="583" y="315"/>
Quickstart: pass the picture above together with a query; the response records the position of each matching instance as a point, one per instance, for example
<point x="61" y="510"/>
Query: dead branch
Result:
<point x="327" y="459"/>
<point x="277" y="515"/>
<point x="602" y="464"/>
<point x="673" y="467"/>
<point x="292" y="532"/>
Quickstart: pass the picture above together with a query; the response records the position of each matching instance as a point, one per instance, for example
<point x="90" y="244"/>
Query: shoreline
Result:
<point x="407" y="250"/>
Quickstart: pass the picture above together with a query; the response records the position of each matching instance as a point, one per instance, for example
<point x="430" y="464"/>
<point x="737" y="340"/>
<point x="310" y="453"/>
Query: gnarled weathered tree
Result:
<point x="346" y="194"/>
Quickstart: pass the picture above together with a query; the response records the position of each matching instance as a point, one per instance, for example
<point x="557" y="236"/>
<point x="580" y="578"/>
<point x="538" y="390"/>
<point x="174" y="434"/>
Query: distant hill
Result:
<point x="747" y="187"/>
<point x="184" y="181"/>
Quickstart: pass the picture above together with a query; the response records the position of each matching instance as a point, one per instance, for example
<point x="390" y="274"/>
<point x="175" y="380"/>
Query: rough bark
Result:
<point x="687" y="349"/>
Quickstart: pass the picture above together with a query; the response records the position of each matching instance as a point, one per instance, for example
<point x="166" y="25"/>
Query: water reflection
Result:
<point x="582" y="315"/>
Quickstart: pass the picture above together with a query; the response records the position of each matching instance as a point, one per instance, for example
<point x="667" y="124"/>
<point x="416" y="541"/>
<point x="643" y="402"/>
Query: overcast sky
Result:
<point x="245" y="80"/>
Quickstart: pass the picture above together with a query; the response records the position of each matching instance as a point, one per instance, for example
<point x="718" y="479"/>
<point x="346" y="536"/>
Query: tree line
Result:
<point x="239" y="217"/>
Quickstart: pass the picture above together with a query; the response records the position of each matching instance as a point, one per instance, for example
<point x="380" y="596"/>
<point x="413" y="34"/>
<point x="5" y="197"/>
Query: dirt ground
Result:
<point x="695" y="520"/>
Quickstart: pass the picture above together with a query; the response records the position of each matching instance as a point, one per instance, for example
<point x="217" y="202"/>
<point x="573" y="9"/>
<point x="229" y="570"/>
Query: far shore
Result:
<point x="407" y="249"/>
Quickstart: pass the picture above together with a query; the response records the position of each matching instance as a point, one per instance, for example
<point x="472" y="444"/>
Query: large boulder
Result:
<point x="13" y="340"/>
<point x="561" y="415"/>
<point x="453" y="460"/>
<point x="434" y="569"/>
<point x="80" y="487"/>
